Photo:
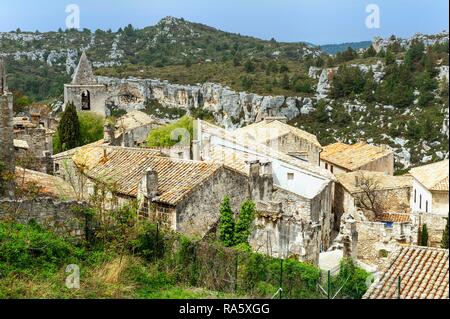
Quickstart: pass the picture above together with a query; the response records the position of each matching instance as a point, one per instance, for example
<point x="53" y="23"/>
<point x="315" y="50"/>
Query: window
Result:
<point x="420" y="201"/>
<point x="426" y="206"/>
<point x="56" y="168"/>
<point x="331" y="168"/>
<point x="326" y="165"/>
<point x="86" y="100"/>
<point x="415" y="196"/>
<point x="290" y="176"/>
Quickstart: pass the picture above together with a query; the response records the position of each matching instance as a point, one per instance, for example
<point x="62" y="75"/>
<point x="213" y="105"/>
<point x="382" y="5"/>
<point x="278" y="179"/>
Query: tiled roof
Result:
<point x="423" y="272"/>
<point x="133" y="120"/>
<point x="267" y="130"/>
<point x="393" y="218"/>
<point x="265" y="151"/>
<point x="433" y="176"/>
<point x="353" y="156"/>
<point x="48" y="185"/>
<point x="381" y="180"/>
<point x="123" y="168"/>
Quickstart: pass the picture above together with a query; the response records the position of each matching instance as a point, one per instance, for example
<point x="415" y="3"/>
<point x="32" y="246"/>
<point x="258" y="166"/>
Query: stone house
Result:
<point x="274" y="132"/>
<point x="344" y="158"/>
<point x="184" y="195"/>
<point x="421" y="271"/>
<point x="294" y="201"/>
<point x="430" y="188"/>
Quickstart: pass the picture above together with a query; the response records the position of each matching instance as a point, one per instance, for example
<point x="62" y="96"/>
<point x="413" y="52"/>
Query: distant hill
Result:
<point x="335" y="48"/>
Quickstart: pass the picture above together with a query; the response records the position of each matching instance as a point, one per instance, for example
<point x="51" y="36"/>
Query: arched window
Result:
<point x="86" y="100"/>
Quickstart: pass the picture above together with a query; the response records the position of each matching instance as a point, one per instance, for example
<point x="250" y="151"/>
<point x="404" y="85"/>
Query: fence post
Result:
<point x="236" y="272"/>
<point x="281" y="277"/>
<point x="399" y="286"/>
<point x="329" y="285"/>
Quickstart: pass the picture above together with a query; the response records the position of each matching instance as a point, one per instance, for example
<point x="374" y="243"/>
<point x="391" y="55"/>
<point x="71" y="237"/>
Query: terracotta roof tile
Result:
<point x="48" y="185"/>
<point x="393" y="217"/>
<point x="423" y="272"/>
<point x="433" y="176"/>
<point x="267" y="130"/>
<point x="124" y="168"/>
<point x="353" y="156"/>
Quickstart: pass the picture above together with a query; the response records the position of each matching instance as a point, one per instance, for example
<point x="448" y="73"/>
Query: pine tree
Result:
<point x="370" y="52"/>
<point x="444" y="242"/>
<point x="69" y="128"/>
<point x="226" y="224"/>
<point x="424" y="235"/>
<point x="243" y="225"/>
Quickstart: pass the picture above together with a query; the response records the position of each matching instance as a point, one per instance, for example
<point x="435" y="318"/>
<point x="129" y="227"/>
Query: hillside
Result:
<point x="394" y="92"/>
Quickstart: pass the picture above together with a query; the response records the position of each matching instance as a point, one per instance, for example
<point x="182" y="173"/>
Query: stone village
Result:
<point x="315" y="203"/>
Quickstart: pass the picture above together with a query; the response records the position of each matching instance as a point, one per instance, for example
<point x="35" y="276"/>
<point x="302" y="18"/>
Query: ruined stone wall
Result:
<point x="384" y="164"/>
<point x="37" y="139"/>
<point x="302" y="230"/>
<point x="440" y="203"/>
<point x="435" y="226"/>
<point x="6" y="131"/>
<point x="200" y="211"/>
<point x="63" y="217"/>
<point x="377" y="240"/>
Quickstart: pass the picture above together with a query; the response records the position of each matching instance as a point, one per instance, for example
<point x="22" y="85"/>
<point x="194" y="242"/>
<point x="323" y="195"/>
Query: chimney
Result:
<point x="6" y="131"/>
<point x="260" y="180"/>
<point x="269" y="119"/>
<point x="196" y="150"/>
<point x="108" y="133"/>
<point x="151" y="183"/>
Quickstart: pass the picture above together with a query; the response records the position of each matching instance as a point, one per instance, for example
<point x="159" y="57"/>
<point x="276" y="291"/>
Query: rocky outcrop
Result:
<point x="230" y="108"/>
<point x="382" y="44"/>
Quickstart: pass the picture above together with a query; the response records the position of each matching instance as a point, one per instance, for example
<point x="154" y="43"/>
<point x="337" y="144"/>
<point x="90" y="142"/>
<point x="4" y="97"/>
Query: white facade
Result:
<point x="421" y="198"/>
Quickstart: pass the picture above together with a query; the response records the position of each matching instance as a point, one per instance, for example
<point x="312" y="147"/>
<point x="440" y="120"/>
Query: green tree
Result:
<point x="424" y="235"/>
<point x="91" y="127"/>
<point x="226" y="223"/>
<point x="285" y="83"/>
<point x="444" y="242"/>
<point x="69" y="128"/>
<point x="370" y="52"/>
<point x="243" y="225"/>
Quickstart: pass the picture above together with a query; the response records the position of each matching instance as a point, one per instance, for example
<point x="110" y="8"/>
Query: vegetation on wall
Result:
<point x="444" y="242"/>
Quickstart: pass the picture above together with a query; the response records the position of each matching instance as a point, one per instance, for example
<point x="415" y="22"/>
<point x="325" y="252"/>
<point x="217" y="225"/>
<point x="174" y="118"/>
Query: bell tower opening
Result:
<point x="86" y="100"/>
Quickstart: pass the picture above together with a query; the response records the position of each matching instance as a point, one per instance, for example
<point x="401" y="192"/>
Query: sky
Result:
<point x="313" y="21"/>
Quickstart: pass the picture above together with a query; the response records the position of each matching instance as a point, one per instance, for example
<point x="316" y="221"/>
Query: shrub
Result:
<point x="25" y="248"/>
<point x="352" y="279"/>
<point x="68" y="133"/>
<point x="171" y="134"/>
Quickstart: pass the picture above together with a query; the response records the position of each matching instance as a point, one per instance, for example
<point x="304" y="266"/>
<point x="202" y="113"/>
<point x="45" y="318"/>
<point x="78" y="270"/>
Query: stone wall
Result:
<point x="435" y="226"/>
<point x="6" y="133"/>
<point x="38" y="156"/>
<point x="384" y="164"/>
<point x="302" y="228"/>
<point x="64" y="218"/>
<point x="377" y="240"/>
<point x="200" y="211"/>
<point x="291" y="143"/>
<point x="97" y="94"/>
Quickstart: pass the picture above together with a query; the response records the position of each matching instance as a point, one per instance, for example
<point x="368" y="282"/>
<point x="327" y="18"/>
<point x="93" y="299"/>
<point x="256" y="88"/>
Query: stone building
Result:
<point x="84" y="91"/>
<point x="294" y="199"/>
<point x="275" y="133"/>
<point x="413" y="273"/>
<point x="184" y="195"/>
<point x="38" y="140"/>
<point x="430" y="187"/>
<point x="131" y="129"/>
<point x="343" y="158"/>
<point x="6" y="130"/>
